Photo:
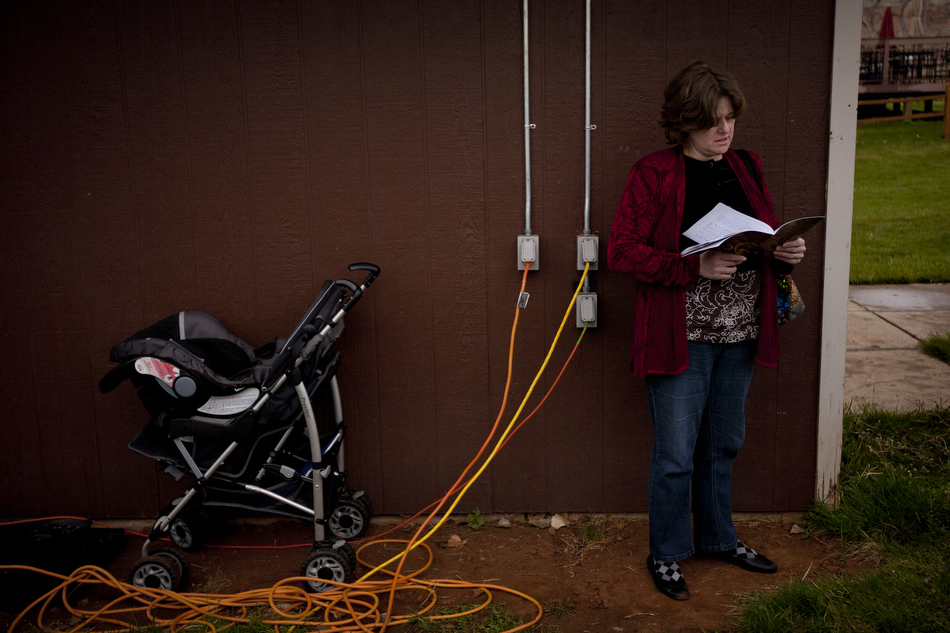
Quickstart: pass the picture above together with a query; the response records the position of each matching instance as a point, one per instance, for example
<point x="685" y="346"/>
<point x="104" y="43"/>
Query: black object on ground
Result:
<point x="56" y="545"/>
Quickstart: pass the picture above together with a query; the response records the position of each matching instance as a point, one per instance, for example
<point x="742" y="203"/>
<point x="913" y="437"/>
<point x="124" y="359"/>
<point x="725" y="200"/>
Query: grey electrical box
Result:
<point x="529" y="250"/>
<point x="588" y="247"/>
<point x="587" y="309"/>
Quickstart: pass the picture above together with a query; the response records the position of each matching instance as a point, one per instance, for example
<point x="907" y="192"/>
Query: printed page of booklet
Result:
<point x="730" y="231"/>
<point x="719" y="225"/>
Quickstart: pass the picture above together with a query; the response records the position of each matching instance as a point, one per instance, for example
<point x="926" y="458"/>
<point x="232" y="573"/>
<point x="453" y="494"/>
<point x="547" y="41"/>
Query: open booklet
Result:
<point x="731" y="231"/>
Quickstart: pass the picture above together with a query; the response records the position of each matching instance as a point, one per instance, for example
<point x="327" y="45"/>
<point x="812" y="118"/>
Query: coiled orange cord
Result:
<point x="345" y="609"/>
<point x="349" y="607"/>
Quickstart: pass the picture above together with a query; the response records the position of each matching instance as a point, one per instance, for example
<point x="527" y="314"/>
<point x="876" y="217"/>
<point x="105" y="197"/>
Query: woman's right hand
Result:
<point x="717" y="265"/>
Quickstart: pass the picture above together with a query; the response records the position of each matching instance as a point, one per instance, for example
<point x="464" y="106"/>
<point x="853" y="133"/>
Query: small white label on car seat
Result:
<point x="229" y="405"/>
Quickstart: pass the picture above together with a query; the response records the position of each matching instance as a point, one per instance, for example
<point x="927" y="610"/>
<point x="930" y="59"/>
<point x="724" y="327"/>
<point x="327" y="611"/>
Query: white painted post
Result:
<point x="840" y="196"/>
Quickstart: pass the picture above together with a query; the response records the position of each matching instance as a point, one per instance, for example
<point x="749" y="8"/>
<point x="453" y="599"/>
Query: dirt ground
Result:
<point x="589" y="579"/>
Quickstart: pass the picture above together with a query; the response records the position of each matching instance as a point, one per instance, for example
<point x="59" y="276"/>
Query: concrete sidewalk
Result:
<point x="884" y="364"/>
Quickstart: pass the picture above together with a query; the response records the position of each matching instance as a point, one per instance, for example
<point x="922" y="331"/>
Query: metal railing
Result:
<point x="918" y="64"/>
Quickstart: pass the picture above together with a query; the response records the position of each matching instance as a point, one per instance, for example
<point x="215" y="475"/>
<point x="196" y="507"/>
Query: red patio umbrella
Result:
<point x="887" y="24"/>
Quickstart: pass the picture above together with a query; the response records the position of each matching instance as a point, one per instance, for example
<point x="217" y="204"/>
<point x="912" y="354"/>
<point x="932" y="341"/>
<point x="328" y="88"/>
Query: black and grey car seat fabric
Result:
<point x="197" y="342"/>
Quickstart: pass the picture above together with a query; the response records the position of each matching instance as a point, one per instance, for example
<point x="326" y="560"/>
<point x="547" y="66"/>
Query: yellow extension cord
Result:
<point x="347" y="608"/>
<point x="491" y="456"/>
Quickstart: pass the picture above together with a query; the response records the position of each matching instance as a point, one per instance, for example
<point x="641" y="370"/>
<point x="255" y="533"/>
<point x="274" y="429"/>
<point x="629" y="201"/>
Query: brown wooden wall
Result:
<point x="229" y="155"/>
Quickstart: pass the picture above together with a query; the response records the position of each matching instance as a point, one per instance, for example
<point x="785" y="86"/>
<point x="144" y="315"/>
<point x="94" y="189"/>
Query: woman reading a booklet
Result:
<point x="702" y="321"/>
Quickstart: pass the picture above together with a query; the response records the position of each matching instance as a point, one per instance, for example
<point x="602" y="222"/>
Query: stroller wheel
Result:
<point x="323" y="564"/>
<point x="347" y="549"/>
<point x="349" y="519"/>
<point x="177" y="558"/>
<point x="360" y="497"/>
<point x="156" y="572"/>
<point x="188" y="529"/>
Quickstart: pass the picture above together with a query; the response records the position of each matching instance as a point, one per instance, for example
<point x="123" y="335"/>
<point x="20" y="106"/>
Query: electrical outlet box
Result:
<point x="529" y="250"/>
<point x="586" y="309"/>
<point x="588" y="250"/>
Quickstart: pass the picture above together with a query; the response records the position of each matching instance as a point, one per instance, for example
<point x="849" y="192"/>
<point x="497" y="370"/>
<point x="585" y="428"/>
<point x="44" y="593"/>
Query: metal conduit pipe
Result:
<point x="587" y="127"/>
<point x="587" y="245"/>
<point x="528" y="126"/>
<point x="528" y="244"/>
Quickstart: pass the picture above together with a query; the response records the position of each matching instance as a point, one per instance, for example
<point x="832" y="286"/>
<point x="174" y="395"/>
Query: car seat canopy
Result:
<point x="199" y="328"/>
<point x="198" y="343"/>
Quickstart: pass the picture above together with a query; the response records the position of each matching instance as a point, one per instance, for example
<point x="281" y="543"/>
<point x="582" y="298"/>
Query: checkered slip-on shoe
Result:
<point x="668" y="578"/>
<point x="748" y="559"/>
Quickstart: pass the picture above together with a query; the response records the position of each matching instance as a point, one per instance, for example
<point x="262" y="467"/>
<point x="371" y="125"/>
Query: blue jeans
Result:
<point x="699" y="424"/>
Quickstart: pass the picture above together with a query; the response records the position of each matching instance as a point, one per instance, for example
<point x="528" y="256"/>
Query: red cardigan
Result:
<point x="644" y="243"/>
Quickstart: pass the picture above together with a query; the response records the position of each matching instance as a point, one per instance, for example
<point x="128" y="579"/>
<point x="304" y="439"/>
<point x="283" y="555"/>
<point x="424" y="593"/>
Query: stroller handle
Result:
<point x="355" y="293"/>
<point x="373" y="272"/>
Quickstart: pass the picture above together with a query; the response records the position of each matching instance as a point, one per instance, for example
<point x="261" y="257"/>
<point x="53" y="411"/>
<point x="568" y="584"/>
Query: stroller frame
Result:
<point x="303" y="362"/>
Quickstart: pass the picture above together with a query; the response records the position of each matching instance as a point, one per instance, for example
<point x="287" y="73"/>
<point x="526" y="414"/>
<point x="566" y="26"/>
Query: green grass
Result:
<point x="901" y="219"/>
<point x="559" y="608"/>
<point x="893" y="600"/>
<point x="938" y="346"/>
<point x="594" y="530"/>
<point x="895" y="509"/>
<point x="493" y="619"/>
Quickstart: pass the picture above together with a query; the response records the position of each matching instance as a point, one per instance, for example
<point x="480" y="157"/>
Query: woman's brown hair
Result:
<point x="691" y="101"/>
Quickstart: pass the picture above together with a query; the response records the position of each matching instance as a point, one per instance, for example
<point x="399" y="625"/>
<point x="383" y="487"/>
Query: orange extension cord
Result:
<point x="345" y="609"/>
<point x="461" y="479"/>
<point x="348" y="607"/>
<point x="414" y="542"/>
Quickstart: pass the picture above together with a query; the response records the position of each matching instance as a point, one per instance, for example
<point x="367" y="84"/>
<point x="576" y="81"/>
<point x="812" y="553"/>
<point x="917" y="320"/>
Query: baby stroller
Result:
<point x="241" y="421"/>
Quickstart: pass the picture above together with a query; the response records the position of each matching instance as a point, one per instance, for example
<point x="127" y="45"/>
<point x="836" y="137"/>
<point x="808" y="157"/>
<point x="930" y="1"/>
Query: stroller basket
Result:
<point x="255" y="428"/>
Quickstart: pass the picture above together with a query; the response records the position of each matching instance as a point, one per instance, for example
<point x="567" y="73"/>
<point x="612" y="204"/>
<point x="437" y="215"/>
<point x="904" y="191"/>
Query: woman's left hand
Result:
<point x="791" y="252"/>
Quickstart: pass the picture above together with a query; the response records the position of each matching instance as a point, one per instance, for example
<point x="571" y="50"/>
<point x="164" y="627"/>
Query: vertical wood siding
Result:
<point x="230" y="155"/>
